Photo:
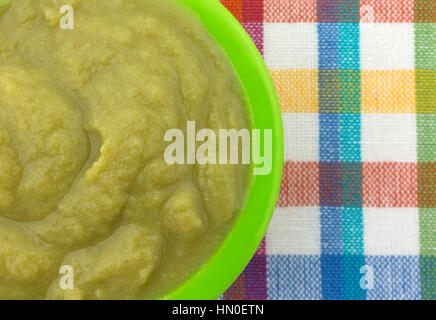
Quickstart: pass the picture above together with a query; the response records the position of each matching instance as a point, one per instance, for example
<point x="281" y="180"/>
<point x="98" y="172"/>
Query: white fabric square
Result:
<point x="387" y="46"/>
<point x="301" y="136"/>
<point x="294" y="231"/>
<point x="391" y="231"/>
<point x="389" y="137"/>
<point x="291" y="45"/>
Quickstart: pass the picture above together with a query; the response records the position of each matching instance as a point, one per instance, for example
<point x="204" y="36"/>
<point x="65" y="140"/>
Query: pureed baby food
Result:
<point x="89" y="209"/>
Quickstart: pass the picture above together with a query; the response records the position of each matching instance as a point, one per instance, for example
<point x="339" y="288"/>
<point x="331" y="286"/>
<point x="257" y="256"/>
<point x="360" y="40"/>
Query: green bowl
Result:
<point x="222" y="269"/>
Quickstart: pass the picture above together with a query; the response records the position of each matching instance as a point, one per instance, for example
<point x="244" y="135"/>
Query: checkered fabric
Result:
<point x="356" y="216"/>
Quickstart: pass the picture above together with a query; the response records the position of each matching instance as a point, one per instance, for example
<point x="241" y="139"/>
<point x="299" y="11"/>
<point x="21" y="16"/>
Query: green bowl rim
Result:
<point x="242" y="241"/>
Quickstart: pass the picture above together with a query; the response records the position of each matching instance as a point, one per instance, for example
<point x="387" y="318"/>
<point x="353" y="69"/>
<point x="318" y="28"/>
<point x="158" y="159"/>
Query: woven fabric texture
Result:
<point x="356" y="216"/>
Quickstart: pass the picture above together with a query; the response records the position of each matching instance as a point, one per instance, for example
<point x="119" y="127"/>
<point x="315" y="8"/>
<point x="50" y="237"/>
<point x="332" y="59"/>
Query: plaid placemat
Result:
<point x="356" y="217"/>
